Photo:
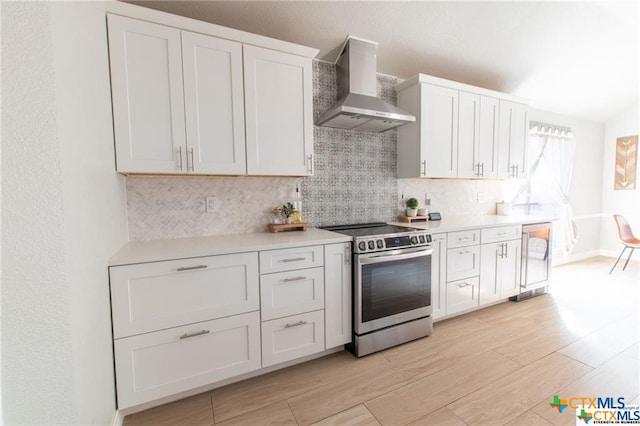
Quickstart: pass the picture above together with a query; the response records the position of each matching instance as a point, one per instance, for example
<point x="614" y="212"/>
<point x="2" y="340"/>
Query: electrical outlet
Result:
<point x="211" y="204"/>
<point x="427" y="196"/>
<point x="481" y="197"/>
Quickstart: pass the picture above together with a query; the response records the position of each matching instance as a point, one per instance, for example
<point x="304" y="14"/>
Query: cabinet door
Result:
<point x="439" y="131"/>
<point x="278" y="113"/>
<point x="163" y="363"/>
<point x="510" y="269"/>
<point x="490" y="265"/>
<point x="513" y="138"/>
<point x="337" y="290"/>
<point x="292" y="292"/>
<point x="214" y="104"/>
<point x="463" y="262"/>
<point x="152" y="296"/>
<point x="468" y="135"/>
<point x="148" y="103"/>
<point x="438" y="274"/>
<point x="487" y="151"/>
<point x="292" y="337"/>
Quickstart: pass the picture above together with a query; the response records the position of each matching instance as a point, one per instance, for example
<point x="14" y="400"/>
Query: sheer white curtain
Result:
<point x="550" y="157"/>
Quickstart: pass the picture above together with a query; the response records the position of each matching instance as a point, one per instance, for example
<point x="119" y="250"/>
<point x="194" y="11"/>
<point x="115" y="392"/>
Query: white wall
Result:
<point x="63" y="215"/>
<point x="627" y="202"/>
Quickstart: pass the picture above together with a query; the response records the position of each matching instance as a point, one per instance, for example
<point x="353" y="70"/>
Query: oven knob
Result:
<point x="362" y="246"/>
<point x="380" y="244"/>
<point x="429" y="240"/>
<point x="414" y="240"/>
<point x="421" y="238"/>
<point x="372" y="245"/>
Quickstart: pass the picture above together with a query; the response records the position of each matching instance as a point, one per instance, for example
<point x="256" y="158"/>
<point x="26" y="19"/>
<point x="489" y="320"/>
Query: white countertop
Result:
<point x="462" y="223"/>
<point x="159" y="250"/>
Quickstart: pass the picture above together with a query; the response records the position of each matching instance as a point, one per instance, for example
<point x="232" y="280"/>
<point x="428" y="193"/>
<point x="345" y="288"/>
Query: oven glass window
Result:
<point x="395" y="287"/>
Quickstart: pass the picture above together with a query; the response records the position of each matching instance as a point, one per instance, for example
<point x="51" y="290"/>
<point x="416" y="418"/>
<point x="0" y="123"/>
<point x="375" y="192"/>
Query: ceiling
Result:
<point x="578" y="58"/>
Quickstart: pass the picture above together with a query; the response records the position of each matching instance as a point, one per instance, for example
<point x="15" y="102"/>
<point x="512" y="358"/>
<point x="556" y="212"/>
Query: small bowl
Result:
<point x="423" y="212"/>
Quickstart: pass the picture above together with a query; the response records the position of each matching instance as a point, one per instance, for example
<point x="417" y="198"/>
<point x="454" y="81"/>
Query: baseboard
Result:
<point x="616" y="253"/>
<point x="575" y="257"/>
<point x="118" y="419"/>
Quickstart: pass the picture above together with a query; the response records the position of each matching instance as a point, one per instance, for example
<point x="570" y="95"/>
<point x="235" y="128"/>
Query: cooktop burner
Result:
<point x="368" y="229"/>
<point x="378" y="236"/>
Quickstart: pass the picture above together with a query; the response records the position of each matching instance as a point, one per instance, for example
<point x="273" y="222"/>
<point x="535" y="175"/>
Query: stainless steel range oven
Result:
<point x="391" y="286"/>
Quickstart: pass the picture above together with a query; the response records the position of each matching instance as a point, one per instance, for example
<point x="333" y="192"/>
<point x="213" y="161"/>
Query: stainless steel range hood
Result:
<point x="357" y="107"/>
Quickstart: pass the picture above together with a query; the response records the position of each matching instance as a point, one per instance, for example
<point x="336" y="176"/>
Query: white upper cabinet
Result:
<point x="513" y="138"/>
<point x="428" y="147"/>
<point x="460" y="131"/>
<point x="487" y="149"/>
<point x="148" y="102"/>
<point x="183" y="101"/>
<point x="214" y="104"/>
<point x="278" y="108"/>
<point x="468" y="135"/>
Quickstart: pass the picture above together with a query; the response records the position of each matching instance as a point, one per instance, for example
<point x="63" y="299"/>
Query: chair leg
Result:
<point x="618" y="260"/>
<point x="628" y="259"/>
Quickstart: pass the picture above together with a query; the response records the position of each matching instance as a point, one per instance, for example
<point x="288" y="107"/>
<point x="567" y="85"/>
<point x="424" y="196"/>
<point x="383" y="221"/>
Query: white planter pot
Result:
<point x="411" y="212"/>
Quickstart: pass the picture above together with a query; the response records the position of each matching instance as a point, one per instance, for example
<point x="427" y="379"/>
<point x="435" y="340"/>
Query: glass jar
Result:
<point x="276" y="216"/>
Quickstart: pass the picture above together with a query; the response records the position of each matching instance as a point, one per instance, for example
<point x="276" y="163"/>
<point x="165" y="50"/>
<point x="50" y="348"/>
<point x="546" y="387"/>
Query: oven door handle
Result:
<point x="393" y="257"/>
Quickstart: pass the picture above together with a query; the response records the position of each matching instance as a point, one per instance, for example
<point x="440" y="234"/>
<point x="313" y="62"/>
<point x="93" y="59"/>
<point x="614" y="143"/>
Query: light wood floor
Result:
<point x="499" y="365"/>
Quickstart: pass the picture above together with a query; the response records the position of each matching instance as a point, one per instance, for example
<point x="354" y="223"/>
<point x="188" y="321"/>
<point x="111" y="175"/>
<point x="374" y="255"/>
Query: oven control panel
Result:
<point x="390" y="242"/>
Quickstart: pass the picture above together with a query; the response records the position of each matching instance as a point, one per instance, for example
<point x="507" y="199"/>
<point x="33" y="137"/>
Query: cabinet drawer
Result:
<point x="292" y="292"/>
<point x="292" y="337"/>
<point x="290" y="259"/>
<point x="502" y="233"/>
<point x="463" y="262"/>
<point x="153" y="296"/>
<point x="463" y="238"/>
<point x="462" y="295"/>
<point x="155" y="365"/>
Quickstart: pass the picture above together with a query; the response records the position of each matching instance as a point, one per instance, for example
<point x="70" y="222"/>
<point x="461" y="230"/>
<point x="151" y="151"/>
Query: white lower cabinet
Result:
<point x="154" y="365"/>
<point x="186" y="323"/>
<point x="292" y="337"/>
<point x="288" y="293"/>
<point x="438" y="275"/>
<point x="500" y="271"/>
<point x="337" y="290"/>
<point x="462" y="295"/>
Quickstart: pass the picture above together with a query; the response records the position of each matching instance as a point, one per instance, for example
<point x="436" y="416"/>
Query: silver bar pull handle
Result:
<point x="463" y="285"/>
<point x="294" y="259"/>
<point x="424" y="167"/>
<point x="482" y="170"/>
<point x="197" y="333"/>
<point x="478" y="167"/>
<point x="180" y="158"/>
<point x="464" y="252"/>
<point x="347" y="254"/>
<point x="300" y="278"/>
<point x="310" y="160"/>
<point x="517" y="170"/>
<point x="191" y="268"/>
<point x="295" y="324"/>
<point x="191" y="154"/>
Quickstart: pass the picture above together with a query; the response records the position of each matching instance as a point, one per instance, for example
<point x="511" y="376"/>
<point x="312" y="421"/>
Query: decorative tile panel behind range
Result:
<point x="354" y="181"/>
<point x="355" y="171"/>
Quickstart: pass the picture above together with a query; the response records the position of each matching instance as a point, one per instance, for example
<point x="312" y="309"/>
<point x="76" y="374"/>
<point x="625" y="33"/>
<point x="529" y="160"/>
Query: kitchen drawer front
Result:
<point x="463" y="238"/>
<point x="463" y="262"/>
<point x="462" y="295"/>
<point x="292" y="292"/>
<point x="292" y="337"/>
<point x="153" y="296"/>
<point x="502" y="233"/>
<point x="290" y="259"/>
<point x="155" y="365"/>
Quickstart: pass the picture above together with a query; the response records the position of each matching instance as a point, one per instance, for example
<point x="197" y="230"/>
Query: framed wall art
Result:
<point x="626" y="163"/>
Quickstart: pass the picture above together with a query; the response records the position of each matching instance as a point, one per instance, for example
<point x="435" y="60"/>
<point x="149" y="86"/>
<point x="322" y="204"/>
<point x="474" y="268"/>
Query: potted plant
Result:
<point x="287" y="211"/>
<point x="412" y="207"/>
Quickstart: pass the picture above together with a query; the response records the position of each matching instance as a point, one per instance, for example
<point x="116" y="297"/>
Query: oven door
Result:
<point x="391" y="287"/>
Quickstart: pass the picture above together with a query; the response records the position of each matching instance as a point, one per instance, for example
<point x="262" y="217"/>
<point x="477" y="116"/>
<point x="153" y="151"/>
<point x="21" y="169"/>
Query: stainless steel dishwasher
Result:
<point x="536" y="260"/>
